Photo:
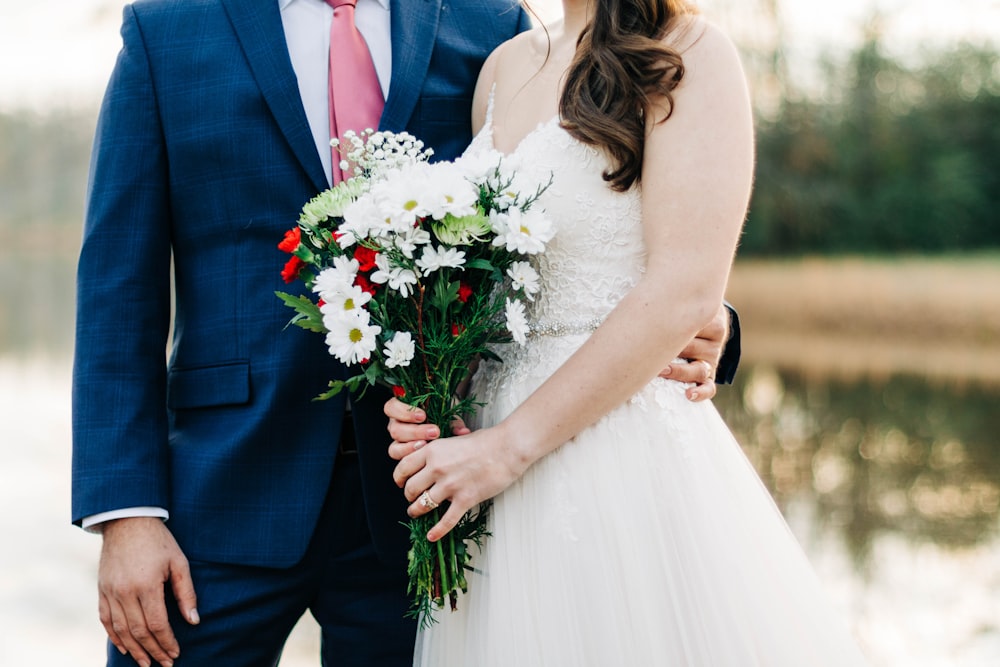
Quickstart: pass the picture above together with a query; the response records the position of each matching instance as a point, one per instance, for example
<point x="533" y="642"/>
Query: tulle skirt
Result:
<point x="646" y="540"/>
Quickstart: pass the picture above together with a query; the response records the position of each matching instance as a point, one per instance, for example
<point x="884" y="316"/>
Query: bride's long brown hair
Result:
<point x="621" y="69"/>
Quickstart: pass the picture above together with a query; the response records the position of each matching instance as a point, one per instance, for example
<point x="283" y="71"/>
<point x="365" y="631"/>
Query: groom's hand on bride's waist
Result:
<point x="408" y="430"/>
<point x="700" y="359"/>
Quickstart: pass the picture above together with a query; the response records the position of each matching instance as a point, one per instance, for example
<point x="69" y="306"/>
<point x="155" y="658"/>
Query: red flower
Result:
<point x="292" y="269"/>
<point x="366" y="285"/>
<point x="398" y="391"/>
<point x="320" y="303"/>
<point x="464" y="291"/>
<point x="365" y="257"/>
<point x="291" y="241"/>
<point x="456" y="330"/>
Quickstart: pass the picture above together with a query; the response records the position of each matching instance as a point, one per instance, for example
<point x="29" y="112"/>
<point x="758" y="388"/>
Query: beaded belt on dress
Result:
<point x="557" y="328"/>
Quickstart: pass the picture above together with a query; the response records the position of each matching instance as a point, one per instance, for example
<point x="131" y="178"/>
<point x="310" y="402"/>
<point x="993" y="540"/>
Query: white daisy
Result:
<point x="524" y="277"/>
<point x="479" y="166"/>
<point x="448" y="191"/>
<point x="433" y="258"/>
<point x="345" y="302"/>
<point x="397" y="277"/>
<point x="408" y="241"/>
<point x="360" y="217"/>
<point x="403" y="198"/>
<point x="351" y="338"/>
<point x="517" y="323"/>
<point x="399" y="351"/>
<point x="401" y="279"/>
<point x="336" y="279"/>
<point x="525" y="232"/>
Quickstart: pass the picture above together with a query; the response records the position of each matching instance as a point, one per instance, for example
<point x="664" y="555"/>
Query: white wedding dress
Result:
<point x="648" y="539"/>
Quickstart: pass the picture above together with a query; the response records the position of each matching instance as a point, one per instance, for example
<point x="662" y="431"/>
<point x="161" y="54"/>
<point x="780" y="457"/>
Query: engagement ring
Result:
<point x="427" y="501"/>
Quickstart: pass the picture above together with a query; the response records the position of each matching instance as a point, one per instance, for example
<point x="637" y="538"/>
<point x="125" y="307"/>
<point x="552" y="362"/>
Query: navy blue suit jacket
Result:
<point x="203" y="155"/>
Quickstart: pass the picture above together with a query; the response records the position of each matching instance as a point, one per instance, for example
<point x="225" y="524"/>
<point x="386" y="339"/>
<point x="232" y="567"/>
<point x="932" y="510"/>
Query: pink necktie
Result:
<point x="355" y="95"/>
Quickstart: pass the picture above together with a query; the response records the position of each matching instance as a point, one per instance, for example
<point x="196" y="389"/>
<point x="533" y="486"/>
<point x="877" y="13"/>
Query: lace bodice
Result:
<point x="597" y="254"/>
<point x="595" y="258"/>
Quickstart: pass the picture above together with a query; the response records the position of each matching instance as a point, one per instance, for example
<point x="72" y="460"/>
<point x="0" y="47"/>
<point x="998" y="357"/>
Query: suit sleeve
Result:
<point x="123" y="299"/>
<point x="726" y="372"/>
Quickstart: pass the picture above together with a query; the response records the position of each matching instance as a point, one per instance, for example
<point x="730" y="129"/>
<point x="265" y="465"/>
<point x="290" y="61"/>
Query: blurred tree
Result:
<point x="888" y="159"/>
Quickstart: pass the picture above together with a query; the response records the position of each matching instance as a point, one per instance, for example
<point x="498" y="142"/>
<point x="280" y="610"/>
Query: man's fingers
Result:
<point x="155" y="635"/>
<point x="458" y="427"/>
<point x="698" y="372"/>
<point x="129" y="624"/>
<point x="183" y="587"/>
<point x="396" y="409"/>
<point x="404" y="432"/>
<point x="701" y="392"/>
<point x="104" y="612"/>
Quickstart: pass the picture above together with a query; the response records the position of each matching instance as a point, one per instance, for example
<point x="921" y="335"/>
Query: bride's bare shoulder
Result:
<point x="510" y="58"/>
<point x="697" y="39"/>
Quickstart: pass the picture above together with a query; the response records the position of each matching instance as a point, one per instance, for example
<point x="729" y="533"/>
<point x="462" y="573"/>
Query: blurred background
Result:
<point x="868" y="281"/>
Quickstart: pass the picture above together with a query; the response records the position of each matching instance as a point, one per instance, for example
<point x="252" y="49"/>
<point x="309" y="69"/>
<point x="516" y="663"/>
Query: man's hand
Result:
<point x="138" y="557"/>
<point x="406" y="424"/>
<point x="703" y="354"/>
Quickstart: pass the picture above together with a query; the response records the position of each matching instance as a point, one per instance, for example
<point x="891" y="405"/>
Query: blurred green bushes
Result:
<point x="885" y="159"/>
<point x="880" y="158"/>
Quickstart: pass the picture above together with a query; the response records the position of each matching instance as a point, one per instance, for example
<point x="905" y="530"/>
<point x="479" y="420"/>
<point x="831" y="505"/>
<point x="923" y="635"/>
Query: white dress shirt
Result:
<point x="307" y="32"/>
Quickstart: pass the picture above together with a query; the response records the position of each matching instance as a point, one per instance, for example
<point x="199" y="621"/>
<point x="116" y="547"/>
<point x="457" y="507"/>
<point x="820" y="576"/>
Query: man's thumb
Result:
<point x="183" y="587"/>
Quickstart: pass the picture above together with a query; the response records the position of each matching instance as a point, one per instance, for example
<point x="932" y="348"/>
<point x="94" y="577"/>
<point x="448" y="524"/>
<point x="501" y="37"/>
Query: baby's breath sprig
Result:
<point x="372" y="154"/>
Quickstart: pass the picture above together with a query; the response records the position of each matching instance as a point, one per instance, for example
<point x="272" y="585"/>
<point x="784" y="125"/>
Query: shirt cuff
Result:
<point x="92" y="524"/>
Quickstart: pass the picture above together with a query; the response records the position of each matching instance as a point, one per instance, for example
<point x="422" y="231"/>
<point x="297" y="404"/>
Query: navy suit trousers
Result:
<point x="248" y="612"/>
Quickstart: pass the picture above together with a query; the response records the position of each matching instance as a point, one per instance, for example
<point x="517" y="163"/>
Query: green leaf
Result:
<point x="305" y="254"/>
<point x="480" y="263"/>
<point x="445" y="293"/>
<point x="336" y="386"/>
<point x="307" y="313"/>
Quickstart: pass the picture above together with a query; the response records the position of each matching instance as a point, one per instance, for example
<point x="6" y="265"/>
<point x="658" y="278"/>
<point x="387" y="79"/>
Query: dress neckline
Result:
<point x="488" y="126"/>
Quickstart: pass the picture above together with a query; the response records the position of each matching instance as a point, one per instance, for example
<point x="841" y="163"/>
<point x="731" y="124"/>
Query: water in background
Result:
<point x="892" y="488"/>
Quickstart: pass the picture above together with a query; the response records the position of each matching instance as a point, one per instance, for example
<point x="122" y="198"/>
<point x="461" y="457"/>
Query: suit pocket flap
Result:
<point x="207" y="386"/>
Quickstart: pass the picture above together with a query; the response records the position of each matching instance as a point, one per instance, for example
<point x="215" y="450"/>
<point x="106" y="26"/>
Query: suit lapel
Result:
<point x="259" y="30"/>
<point x="414" y="28"/>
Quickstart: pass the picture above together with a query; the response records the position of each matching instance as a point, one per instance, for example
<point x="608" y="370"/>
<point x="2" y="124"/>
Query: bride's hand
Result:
<point x="464" y="470"/>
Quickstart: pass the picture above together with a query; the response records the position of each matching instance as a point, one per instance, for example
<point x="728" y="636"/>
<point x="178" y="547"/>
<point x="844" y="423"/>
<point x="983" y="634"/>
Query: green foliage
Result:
<point x="307" y="314"/>
<point x="890" y="159"/>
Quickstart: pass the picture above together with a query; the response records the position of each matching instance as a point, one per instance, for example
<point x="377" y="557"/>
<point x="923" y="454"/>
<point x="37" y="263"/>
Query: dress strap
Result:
<point x="488" y="121"/>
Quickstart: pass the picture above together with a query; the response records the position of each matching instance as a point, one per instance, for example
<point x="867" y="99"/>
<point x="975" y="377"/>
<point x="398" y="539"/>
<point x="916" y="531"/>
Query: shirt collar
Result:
<point x="283" y="4"/>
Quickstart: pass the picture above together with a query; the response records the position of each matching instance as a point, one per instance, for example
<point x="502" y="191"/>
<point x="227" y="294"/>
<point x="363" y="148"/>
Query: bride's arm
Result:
<point x="697" y="175"/>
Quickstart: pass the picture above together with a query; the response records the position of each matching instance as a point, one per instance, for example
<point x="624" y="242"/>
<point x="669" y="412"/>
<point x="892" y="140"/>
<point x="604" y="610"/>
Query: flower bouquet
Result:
<point x="419" y="269"/>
